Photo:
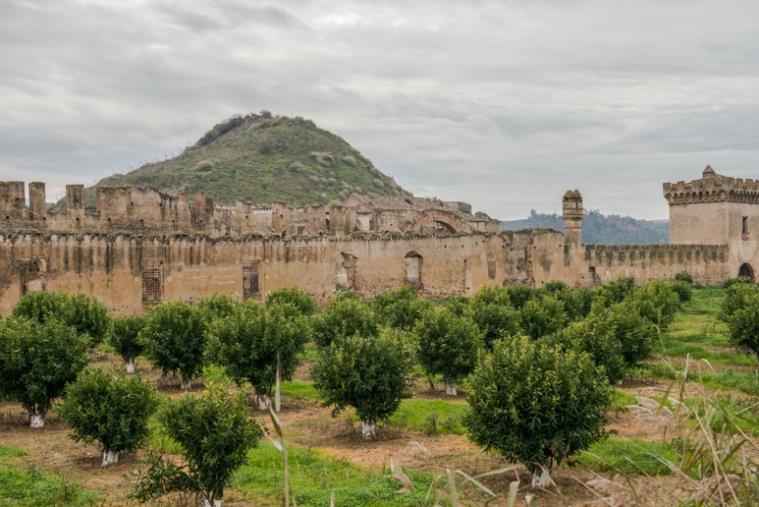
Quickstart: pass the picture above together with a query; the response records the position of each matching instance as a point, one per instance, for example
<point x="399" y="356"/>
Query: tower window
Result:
<point x="744" y="226"/>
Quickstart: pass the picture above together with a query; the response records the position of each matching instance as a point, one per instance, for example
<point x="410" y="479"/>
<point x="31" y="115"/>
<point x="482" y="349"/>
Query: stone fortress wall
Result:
<point x="140" y="246"/>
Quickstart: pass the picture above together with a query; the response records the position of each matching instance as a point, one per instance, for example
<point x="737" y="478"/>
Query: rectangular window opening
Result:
<point x="250" y="279"/>
<point x="152" y="285"/>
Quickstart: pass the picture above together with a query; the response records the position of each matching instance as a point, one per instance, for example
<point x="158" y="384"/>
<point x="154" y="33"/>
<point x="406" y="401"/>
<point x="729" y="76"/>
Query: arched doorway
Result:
<point x="746" y="271"/>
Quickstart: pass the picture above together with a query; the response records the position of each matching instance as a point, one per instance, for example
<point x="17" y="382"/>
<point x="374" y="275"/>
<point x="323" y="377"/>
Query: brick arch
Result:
<point x="445" y="220"/>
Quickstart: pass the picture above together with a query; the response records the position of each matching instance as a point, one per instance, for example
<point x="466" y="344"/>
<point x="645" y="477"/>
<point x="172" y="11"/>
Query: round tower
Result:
<point x="572" y="215"/>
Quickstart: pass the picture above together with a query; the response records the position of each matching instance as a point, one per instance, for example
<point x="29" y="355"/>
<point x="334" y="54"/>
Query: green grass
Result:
<point x="622" y="400"/>
<point x="731" y="411"/>
<point x="314" y="477"/>
<point x="431" y="416"/>
<point x="29" y="487"/>
<point x="299" y="389"/>
<point x="629" y="456"/>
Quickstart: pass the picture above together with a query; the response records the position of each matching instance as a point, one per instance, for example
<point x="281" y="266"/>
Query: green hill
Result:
<point x="260" y="158"/>
<point x="600" y="229"/>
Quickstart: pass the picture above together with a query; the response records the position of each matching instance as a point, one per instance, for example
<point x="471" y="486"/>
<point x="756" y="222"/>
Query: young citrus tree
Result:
<point x="636" y="334"/>
<point x="536" y="403"/>
<point x="744" y="326"/>
<point x="37" y="361"/>
<point x="256" y="343"/>
<point x="125" y="338"/>
<point x="109" y="409"/>
<point x="216" y="306"/>
<point x="399" y="308"/>
<point x="369" y="373"/>
<point x="737" y="296"/>
<point x="175" y="340"/>
<point x="301" y="300"/>
<point x="656" y="301"/>
<point x="542" y="316"/>
<point x="343" y="316"/>
<point x="448" y="346"/>
<point x="596" y="335"/>
<point x="214" y="433"/>
<point x="520" y="294"/>
<point x="490" y="309"/>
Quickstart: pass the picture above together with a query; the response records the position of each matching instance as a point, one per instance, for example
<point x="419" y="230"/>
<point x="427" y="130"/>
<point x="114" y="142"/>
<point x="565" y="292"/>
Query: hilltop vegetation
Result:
<point x="260" y="158"/>
<point x="600" y="229"/>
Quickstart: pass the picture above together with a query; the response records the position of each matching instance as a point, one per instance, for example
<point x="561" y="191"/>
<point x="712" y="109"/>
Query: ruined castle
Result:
<point x="139" y="246"/>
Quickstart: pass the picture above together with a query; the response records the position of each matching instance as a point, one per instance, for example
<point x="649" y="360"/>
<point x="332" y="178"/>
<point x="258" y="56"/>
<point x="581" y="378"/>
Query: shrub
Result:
<point x="736" y="281"/>
<point x="736" y="297"/>
<point x="577" y="302"/>
<point x="520" y="294"/>
<point x="174" y="340"/>
<point x="84" y="313"/>
<point x="555" y="286"/>
<point x="341" y="318"/>
<point x="301" y="300"/>
<point x="596" y="336"/>
<point x="684" y="276"/>
<point x="399" y="308"/>
<point x="215" y="307"/>
<point x="494" y="321"/>
<point x="38" y="361"/>
<point x="656" y="301"/>
<point x="214" y="434"/>
<point x="448" y="345"/>
<point x="535" y="403"/>
<point x="254" y="341"/>
<point x="109" y="409"/>
<point x="616" y="291"/>
<point x="456" y="304"/>
<point x="368" y="373"/>
<point x="684" y="290"/>
<point x="542" y="316"/>
<point x="744" y="326"/>
<point x="635" y="333"/>
<point x="125" y="338"/>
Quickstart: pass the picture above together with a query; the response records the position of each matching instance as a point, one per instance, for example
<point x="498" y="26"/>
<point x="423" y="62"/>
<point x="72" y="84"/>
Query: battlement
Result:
<point x="712" y="187"/>
<point x="145" y="210"/>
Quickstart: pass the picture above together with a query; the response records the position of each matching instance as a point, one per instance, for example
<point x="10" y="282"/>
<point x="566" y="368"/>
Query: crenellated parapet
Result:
<point x="712" y="187"/>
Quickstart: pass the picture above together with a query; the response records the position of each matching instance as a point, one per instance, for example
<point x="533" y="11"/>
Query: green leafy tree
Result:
<point x="520" y="294"/>
<point x="448" y="346"/>
<point x="216" y="306"/>
<point x="656" y="301"/>
<point x="684" y="290"/>
<point x="577" y="301"/>
<point x="368" y="373"/>
<point x="87" y="315"/>
<point x="343" y="316"/>
<point x="542" y="316"/>
<point x="635" y="333"/>
<point x="174" y="340"/>
<point x="596" y="335"/>
<point x="459" y="305"/>
<point x="744" y="326"/>
<point x="737" y="296"/>
<point x="616" y="291"/>
<point x="536" y="403"/>
<point x="490" y="309"/>
<point x="301" y="300"/>
<point x="555" y="287"/>
<point x="109" y="409"/>
<point x="214" y="434"/>
<point x="684" y="276"/>
<point x="399" y="308"/>
<point x="254" y="342"/>
<point x="37" y="362"/>
<point x="125" y="338"/>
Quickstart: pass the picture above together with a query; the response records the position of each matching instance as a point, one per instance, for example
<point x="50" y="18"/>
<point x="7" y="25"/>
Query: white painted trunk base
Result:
<point x="130" y="366"/>
<point x="451" y="390"/>
<point x="36" y="421"/>
<point x="110" y="457"/>
<point x="368" y="430"/>
<point x="186" y="385"/>
<point x="541" y="479"/>
<point x="262" y="402"/>
<point x="216" y="503"/>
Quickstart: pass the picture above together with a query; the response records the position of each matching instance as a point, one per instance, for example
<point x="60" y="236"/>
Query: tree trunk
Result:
<point x="110" y="458"/>
<point x="368" y="430"/>
<point x="186" y="385"/>
<point x="130" y="366"/>
<point x="36" y="421"/>
<point x="450" y="389"/>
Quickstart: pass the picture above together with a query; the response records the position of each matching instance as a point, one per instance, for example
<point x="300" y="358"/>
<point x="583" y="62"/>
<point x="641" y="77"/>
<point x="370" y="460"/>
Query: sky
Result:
<point x="504" y="104"/>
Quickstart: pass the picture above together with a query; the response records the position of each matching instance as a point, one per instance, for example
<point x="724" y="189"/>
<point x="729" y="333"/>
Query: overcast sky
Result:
<point x="504" y="104"/>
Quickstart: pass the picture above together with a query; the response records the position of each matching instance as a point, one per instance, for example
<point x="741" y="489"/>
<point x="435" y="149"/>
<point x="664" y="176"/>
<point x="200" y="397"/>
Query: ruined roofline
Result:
<point x="712" y="187"/>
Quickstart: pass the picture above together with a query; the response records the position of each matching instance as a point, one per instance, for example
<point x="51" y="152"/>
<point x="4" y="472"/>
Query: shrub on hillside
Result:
<point x="209" y="462"/>
<point x="448" y="345"/>
<point x="542" y="316"/>
<point x="174" y="340"/>
<point x="490" y="309"/>
<point x="399" y="308"/>
<point x="299" y="299"/>
<point x="737" y="296"/>
<point x="656" y="301"/>
<point x="255" y="341"/>
<point x="536" y="403"/>
<point x="86" y="314"/>
<point x="109" y="409"/>
<point x="38" y="361"/>
<point x="744" y="326"/>
<point x="343" y="316"/>
<point x="368" y="373"/>
<point x="124" y="337"/>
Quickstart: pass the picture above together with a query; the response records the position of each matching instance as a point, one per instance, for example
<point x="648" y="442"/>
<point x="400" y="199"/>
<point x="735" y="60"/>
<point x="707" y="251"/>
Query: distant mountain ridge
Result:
<point x="261" y="159"/>
<point x="600" y="229"/>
